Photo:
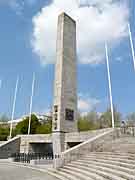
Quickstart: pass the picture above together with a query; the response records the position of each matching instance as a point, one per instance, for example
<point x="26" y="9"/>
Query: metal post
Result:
<point x="0" y="84"/>
<point x="109" y="83"/>
<point x="13" y="109"/>
<point x="31" y="102"/>
<point x="132" y="45"/>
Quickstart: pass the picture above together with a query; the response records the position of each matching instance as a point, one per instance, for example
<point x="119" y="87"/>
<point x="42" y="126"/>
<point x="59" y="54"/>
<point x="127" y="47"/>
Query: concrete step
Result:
<point x="103" y="174"/>
<point x="116" y="172"/>
<point x="113" y="162"/>
<point x="78" y="175"/>
<point x="108" y="165"/>
<point x="61" y="176"/>
<point x="123" y="148"/>
<point x="113" y="154"/>
<point x="85" y="174"/>
<point x="126" y="144"/>
<point x="120" y="159"/>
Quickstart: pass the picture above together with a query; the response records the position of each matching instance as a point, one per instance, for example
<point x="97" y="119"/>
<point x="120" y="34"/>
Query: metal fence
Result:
<point x="26" y="158"/>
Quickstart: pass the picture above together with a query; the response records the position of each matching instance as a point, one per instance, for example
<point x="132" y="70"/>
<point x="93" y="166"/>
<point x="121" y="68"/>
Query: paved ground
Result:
<point x="12" y="172"/>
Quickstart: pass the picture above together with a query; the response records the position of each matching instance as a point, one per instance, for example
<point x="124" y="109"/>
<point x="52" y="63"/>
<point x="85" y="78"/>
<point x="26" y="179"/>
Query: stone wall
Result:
<point x="26" y="140"/>
<point x="1" y="142"/>
<point x="83" y="136"/>
<point x="9" y="147"/>
<point x="84" y="148"/>
<point x="76" y="137"/>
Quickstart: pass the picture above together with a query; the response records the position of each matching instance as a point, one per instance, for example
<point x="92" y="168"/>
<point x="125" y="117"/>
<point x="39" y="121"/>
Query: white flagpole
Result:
<point x="31" y="102"/>
<point x="109" y="83"/>
<point x="13" y="109"/>
<point x="132" y="46"/>
<point x="0" y="84"/>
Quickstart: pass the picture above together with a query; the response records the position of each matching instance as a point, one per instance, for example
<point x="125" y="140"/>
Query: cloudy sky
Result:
<point x="28" y="44"/>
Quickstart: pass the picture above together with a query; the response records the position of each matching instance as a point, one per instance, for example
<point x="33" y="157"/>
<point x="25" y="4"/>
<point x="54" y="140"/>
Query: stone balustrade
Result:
<point x="84" y="148"/>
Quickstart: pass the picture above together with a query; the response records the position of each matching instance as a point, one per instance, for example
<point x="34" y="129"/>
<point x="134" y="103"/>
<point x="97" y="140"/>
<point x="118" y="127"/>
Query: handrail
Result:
<point x="9" y="141"/>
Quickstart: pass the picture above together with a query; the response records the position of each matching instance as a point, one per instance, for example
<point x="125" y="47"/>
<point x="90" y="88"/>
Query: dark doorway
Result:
<point x="72" y="144"/>
<point x="41" y="148"/>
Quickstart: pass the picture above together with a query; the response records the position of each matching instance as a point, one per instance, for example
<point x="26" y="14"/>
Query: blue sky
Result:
<point x="22" y="52"/>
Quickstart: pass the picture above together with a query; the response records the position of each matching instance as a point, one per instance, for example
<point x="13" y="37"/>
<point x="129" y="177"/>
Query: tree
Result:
<point x="106" y="118"/>
<point x="131" y="119"/>
<point x="4" y="118"/>
<point x="44" y="128"/>
<point x="22" y="127"/>
<point x="88" y="122"/>
<point x="4" y="132"/>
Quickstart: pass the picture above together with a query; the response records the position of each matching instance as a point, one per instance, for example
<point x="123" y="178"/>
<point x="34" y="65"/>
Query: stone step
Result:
<point x="78" y="175"/>
<point x="60" y="176"/>
<point x="120" y="159"/>
<point x="122" y="144"/>
<point x="63" y="175"/>
<point x="113" y="154"/>
<point x="103" y="174"/>
<point x="114" y="162"/>
<point x="85" y="174"/>
<point x="127" y="146"/>
<point x="89" y="167"/>
<point x="108" y="165"/>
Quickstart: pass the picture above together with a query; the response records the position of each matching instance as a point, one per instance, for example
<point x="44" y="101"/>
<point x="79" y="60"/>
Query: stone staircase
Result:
<point x="116" y="161"/>
<point x="123" y="144"/>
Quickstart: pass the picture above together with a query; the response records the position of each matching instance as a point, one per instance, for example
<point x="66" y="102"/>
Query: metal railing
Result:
<point x="26" y="158"/>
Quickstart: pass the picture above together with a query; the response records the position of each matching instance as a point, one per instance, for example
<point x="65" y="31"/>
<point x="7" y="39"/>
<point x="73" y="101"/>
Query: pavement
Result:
<point x="10" y="171"/>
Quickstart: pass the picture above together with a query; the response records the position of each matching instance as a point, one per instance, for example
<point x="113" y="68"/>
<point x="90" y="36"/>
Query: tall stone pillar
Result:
<point x="65" y="84"/>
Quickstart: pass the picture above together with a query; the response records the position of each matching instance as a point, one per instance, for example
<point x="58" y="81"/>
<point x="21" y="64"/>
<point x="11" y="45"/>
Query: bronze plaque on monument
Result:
<point x="69" y="115"/>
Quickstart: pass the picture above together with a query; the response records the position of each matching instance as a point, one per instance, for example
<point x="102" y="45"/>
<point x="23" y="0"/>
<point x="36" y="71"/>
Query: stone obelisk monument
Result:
<point x="65" y="88"/>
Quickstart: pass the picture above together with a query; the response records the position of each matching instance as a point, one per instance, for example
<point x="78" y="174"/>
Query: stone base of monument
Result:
<point x="10" y="159"/>
<point x="41" y="162"/>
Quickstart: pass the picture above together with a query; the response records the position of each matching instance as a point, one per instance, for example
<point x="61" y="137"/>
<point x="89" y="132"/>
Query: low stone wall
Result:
<point x="1" y="142"/>
<point x="9" y="147"/>
<point x="26" y="140"/>
<point x="83" y="136"/>
<point x="47" y="138"/>
<point x="86" y="147"/>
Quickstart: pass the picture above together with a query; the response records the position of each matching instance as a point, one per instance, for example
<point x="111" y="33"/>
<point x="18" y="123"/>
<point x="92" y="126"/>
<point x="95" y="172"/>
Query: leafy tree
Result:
<point x="4" y="118"/>
<point x="131" y="119"/>
<point x="22" y="127"/>
<point x="88" y="122"/>
<point x="44" y="128"/>
<point x="106" y="119"/>
<point x="83" y="124"/>
<point x="4" y="132"/>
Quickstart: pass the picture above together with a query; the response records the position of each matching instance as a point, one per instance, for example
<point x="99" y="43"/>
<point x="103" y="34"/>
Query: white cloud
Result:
<point x="101" y="21"/>
<point x="46" y="111"/>
<point x="93" y="2"/>
<point x="86" y="103"/>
